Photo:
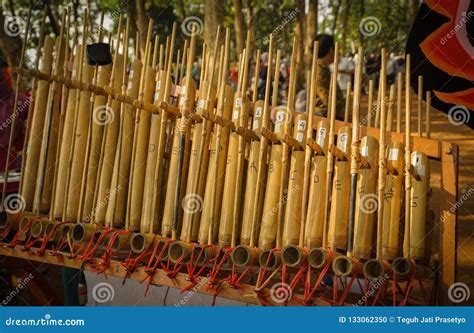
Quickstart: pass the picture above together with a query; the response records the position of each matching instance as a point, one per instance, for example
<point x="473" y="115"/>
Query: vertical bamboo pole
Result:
<point x="399" y="100"/>
<point x="391" y="104"/>
<point x="355" y="151"/>
<point x="371" y="103"/>
<point x="407" y="154"/>
<point x="140" y="140"/>
<point x="348" y="102"/>
<point x="330" y="161"/>
<point x="102" y="194"/>
<point x="44" y="183"/>
<point x="382" y="158"/>
<point x="159" y="168"/>
<point x="428" y="114"/>
<point x="420" y="106"/>
<point x="34" y="89"/>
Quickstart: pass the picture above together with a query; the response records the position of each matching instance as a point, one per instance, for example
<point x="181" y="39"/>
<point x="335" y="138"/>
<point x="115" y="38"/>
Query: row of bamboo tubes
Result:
<point x="138" y="144"/>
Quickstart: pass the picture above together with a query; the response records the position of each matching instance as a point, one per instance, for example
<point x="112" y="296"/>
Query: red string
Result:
<point x="14" y="242"/>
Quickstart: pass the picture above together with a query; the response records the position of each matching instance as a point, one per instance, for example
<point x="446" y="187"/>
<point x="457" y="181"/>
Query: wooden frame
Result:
<point x="445" y="152"/>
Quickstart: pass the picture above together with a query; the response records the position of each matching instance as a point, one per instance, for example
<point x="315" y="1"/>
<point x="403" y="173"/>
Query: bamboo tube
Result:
<point x="268" y="229"/>
<point x="355" y="151"/>
<point x="339" y="211"/>
<point x="262" y="165"/>
<point x="399" y="100"/>
<point x="243" y="123"/>
<point x="428" y="114"/>
<point x="148" y="222"/>
<point x="420" y="106"/>
<point x="348" y="102"/>
<point x="366" y="204"/>
<point x="256" y="77"/>
<point x="159" y="167"/>
<point x="370" y="103"/>
<point x="312" y="87"/>
<point x="235" y="158"/>
<point x="44" y="184"/>
<point x="198" y="166"/>
<point x="98" y="115"/>
<point x="140" y="140"/>
<point x="186" y="104"/>
<point x="252" y="180"/>
<point x="67" y="63"/>
<point x="199" y="159"/>
<point x="78" y="150"/>
<point x="380" y="98"/>
<point x="95" y="143"/>
<point x="37" y="125"/>
<point x="118" y="179"/>
<point x="181" y="250"/>
<point x="393" y="201"/>
<point x="391" y="104"/>
<point x="407" y="170"/>
<point x="34" y="89"/>
<point x="177" y="157"/>
<point x="209" y="230"/>
<point x="315" y="212"/>
<point x="66" y="142"/>
<point x="285" y="158"/>
<point x="382" y="158"/>
<point x="293" y="216"/>
<point x="418" y="206"/>
<point x="246" y="253"/>
<point x="330" y="156"/>
<point x="217" y="165"/>
<point x="103" y="194"/>
<point x="79" y="140"/>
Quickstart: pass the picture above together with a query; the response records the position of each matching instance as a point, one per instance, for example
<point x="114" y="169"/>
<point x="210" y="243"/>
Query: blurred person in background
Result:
<point x="7" y="101"/>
